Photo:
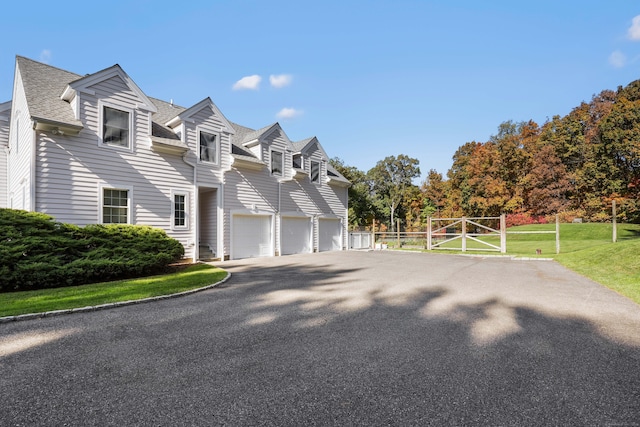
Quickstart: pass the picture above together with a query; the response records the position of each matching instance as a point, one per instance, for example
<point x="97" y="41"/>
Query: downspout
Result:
<point x="279" y="218"/>
<point x="32" y="184"/>
<point x="196" y="247"/>
<point x="8" y="173"/>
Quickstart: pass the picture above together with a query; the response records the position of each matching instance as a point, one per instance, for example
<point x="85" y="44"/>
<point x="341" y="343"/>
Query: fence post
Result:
<point x="398" y="228"/>
<point x="615" y="226"/>
<point x="503" y="234"/>
<point x="373" y="234"/>
<point x="464" y="234"/>
<point x="428" y="233"/>
<point x="557" y="234"/>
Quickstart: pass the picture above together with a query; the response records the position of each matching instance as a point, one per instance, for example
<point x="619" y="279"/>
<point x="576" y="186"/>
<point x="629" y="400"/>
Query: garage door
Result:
<point x="251" y="236"/>
<point x="296" y="235"/>
<point x="329" y="234"/>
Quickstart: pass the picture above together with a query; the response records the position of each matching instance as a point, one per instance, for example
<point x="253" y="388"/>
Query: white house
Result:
<point x="96" y="149"/>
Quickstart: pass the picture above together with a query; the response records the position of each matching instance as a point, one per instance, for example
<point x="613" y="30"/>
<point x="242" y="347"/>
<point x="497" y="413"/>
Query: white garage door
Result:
<point x="296" y="235"/>
<point x="251" y="236"/>
<point x="329" y="234"/>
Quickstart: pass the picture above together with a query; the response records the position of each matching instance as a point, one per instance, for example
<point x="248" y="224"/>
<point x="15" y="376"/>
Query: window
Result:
<point x="208" y="147"/>
<point x="115" y="206"/>
<point x="115" y="127"/>
<point x="276" y="163"/>
<point x="315" y="172"/>
<point x="179" y="211"/>
<point x="297" y="161"/>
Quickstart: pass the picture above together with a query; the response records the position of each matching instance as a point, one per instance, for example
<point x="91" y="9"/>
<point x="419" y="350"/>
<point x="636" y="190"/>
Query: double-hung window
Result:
<point x="277" y="163"/>
<point x="315" y="172"/>
<point x="115" y="127"/>
<point x="208" y="147"/>
<point x="115" y="206"/>
<point x="179" y="211"/>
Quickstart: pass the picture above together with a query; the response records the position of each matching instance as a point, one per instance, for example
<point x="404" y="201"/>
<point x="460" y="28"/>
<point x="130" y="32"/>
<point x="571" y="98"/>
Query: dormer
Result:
<point x="310" y="160"/>
<point x="207" y="126"/>
<point x="87" y="85"/>
<point x="119" y="100"/>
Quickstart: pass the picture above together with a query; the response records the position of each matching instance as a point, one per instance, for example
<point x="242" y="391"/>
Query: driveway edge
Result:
<point x="31" y="316"/>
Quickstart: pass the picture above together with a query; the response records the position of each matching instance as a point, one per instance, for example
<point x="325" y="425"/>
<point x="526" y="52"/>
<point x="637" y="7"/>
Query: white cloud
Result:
<point x="617" y="59"/>
<point x="280" y="80"/>
<point x="248" y="82"/>
<point x="45" y="56"/>
<point x="288" y="113"/>
<point x="634" y="30"/>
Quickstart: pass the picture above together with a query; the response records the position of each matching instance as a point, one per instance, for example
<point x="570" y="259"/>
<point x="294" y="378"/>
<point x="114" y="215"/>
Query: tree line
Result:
<point x="574" y="165"/>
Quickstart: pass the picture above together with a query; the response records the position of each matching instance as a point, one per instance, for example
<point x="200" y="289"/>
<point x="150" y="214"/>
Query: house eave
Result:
<point x="251" y="143"/>
<point x="338" y="182"/>
<point x="241" y="163"/>
<point x="56" y="128"/>
<point x="164" y="145"/>
<point x="299" y="173"/>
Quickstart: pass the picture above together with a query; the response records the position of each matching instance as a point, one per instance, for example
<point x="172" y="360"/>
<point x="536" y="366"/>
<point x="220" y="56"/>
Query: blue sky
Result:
<point x="368" y="78"/>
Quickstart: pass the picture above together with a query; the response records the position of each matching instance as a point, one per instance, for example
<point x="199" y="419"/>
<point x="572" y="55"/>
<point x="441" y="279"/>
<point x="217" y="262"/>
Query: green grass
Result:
<point x="192" y="277"/>
<point x="585" y="248"/>
<point x="615" y="265"/>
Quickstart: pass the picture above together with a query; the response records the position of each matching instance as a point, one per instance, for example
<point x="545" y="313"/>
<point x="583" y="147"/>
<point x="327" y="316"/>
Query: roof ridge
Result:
<point x="48" y="65"/>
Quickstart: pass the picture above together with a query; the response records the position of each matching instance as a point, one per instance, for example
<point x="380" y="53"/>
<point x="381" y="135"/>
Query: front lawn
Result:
<point x="38" y="301"/>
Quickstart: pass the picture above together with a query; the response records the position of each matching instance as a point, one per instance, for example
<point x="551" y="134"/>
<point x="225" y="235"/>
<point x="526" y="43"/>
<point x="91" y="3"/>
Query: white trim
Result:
<point x="282" y="166"/>
<point x="110" y="186"/>
<point x="132" y="130"/>
<point x="187" y="209"/>
<point x="199" y="130"/>
<point x="297" y="215"/>
<point x="84" y="83"/>
<point x="251" y="212"/>
<point x="319" y="180"/>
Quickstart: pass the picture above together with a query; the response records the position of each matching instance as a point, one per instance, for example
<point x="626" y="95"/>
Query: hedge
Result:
<point x="37" y="252"/>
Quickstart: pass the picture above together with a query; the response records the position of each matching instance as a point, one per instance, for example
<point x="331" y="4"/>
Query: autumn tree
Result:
<point x="548" y="184"/>
<point x="391" y="178"/>
<point x="434" y="190"/>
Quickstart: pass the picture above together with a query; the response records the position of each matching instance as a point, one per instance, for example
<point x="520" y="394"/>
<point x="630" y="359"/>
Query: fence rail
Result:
<point x="442" y="231"/>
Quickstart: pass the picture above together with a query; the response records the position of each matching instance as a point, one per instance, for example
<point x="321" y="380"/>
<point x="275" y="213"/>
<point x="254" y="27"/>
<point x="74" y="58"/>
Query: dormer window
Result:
<point x="315" y="172"/>
<point x="115" y="127"/>
<point x="208" y="147"/>
<point x="297" y="162"/>
<point x="277" y="166"/>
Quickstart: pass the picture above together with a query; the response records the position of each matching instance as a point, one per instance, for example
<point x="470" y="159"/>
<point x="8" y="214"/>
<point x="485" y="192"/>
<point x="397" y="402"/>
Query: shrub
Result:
<point x="37" y="252"/>
<point x="524" y="218"/>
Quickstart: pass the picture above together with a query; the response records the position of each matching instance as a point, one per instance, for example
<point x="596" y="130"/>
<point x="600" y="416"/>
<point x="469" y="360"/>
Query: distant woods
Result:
<point x="574" y="165"/>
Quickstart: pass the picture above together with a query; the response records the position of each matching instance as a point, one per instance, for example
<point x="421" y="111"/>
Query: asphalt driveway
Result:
<point x="343" y="338"/>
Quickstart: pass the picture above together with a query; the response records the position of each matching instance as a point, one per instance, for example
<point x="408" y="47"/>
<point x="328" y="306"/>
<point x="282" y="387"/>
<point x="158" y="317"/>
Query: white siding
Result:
<point x="208" y="217"/>
<point x="20" y="150"/>
<point x="209" y="174"/>
<point x="70" y="168"/>
<point x="248" y="191"/>
<point x="320" y="199"/>
<point x="4" y="145"/>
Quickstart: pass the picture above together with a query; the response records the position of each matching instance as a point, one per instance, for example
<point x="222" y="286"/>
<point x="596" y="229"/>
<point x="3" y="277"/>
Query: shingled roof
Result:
<point x="43" y="85"/>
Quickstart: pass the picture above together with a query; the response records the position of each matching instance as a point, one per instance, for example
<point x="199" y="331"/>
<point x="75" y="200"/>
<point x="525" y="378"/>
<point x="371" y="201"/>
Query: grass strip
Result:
<point x="39" y="301"/>
<point x="615" y="265"/>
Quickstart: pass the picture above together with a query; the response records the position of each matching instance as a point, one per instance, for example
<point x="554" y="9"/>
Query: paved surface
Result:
<point x="357" y="338"/>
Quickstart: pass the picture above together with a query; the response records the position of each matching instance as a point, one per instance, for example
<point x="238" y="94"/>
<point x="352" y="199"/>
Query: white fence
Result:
<point x="360" y="240"/>
<point x="442" y="231"/>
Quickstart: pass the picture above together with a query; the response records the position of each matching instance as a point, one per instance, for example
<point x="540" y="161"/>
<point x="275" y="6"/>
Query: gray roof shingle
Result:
<point x="43" y="86"/>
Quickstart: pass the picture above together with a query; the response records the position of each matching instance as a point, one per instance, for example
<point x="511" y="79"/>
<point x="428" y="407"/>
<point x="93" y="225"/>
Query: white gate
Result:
<point x="449" y="232"/>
